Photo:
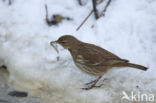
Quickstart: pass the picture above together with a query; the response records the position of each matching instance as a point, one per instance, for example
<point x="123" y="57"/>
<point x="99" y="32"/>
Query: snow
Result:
<point x="128" y="30"/>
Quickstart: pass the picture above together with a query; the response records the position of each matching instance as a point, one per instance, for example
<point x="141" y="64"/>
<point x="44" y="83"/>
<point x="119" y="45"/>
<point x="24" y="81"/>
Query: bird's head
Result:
<point x="67" y="41"/>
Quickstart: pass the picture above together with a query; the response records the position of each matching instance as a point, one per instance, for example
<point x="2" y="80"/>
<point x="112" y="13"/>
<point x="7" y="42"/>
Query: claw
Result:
<point x="93" y="86"/>
<point x="90" y="82"/>
<point x="86" y="88"/>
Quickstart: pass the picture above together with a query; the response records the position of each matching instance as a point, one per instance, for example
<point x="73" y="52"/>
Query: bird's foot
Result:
<point x="92" y="86"/>
<point x="92" y="82"/>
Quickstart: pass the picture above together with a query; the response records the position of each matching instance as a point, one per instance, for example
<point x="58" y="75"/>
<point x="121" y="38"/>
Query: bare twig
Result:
<point x="103" y="13"/>
<point x="105" y="9"/>
<point x="46" y="8"/>
<point x="56" y="18"/>
<point x="84" y="20"/>
<point x="10" y="2"/>
<point x="47" y="20"/>
<point x="94" y="2"/>
<point x="80" y="2"/>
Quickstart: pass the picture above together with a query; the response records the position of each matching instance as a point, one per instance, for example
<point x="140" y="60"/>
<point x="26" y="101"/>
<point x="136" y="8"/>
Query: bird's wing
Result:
<point x="96" y="56"/>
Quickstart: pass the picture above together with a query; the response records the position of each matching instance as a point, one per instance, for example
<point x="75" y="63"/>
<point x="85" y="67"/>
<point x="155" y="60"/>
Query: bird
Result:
<point x="93" y="60"/>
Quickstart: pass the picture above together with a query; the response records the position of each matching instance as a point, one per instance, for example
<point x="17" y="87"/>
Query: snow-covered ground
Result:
<point x="128" y="30"/>
<point x="4" y="90"/>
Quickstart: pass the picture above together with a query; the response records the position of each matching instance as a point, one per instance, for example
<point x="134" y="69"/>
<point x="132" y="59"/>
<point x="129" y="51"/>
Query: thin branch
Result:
<point x="80" y="2"/>
<point x="46" y="8"/>
<point x="105" y="9"/>
<point x="10" y="2"/>
<point x="103" y="13"/>
<point x="47" y="20"/>
<point x="94" y="2"/>
<point x="84" y="20"/>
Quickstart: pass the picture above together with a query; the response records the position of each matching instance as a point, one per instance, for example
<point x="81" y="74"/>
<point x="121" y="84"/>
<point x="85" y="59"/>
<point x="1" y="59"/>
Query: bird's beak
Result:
<point x="54" y="46"/>
<point x="51" y="43"/>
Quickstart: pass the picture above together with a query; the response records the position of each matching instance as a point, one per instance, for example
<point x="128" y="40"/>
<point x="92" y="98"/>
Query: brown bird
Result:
<point x="93" y="59"/>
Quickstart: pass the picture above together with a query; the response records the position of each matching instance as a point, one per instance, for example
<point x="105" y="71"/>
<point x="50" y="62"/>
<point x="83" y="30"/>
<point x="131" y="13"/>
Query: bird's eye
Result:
<point x="63" y="42"/>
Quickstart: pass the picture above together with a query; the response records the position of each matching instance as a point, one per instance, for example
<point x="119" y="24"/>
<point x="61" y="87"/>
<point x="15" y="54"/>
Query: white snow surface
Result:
<point x="128" y="29"/>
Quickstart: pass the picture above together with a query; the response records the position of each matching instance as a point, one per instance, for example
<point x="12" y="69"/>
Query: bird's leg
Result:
<point x="94" y="84"/>
<point x="93" y="81"/>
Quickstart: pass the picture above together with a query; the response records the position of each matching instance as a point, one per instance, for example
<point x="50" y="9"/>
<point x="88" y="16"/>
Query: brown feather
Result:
<point x="93" y="59"/>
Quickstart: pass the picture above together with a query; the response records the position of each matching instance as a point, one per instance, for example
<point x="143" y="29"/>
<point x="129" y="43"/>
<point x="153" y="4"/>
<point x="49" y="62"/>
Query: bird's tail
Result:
<point x="132" y="65"/>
